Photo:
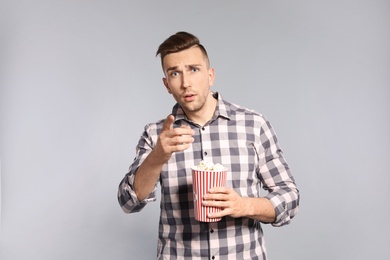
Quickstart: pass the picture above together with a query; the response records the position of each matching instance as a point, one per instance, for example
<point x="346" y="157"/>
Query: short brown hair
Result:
<point x="180" y="42"/>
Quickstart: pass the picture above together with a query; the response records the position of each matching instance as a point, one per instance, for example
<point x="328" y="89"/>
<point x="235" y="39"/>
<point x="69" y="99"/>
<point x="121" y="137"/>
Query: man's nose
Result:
<point x="185" y="80"/>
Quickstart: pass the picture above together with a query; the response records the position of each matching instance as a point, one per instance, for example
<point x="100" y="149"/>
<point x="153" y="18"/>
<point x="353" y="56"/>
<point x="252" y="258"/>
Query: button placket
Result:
<point x="213" y="241"/>
<point x="206" y="142"/>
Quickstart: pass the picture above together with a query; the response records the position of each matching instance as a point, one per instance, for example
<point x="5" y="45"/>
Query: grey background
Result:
<point x="79" y="81"/>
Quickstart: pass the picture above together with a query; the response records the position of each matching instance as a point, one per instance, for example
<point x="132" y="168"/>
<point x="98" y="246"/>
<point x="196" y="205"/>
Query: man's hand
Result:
<point x="234" y="205"/>
<point x="172" y="139"/>
<point x="227" y="199"/>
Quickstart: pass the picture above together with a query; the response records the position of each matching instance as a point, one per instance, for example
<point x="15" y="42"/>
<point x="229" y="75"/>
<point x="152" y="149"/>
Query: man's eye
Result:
<point x="194" y="69"/>
<point x="174" y="74"/>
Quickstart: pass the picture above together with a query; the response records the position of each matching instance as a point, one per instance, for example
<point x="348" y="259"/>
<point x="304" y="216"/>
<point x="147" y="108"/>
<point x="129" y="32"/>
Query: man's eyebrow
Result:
<point x="187" y="66"/>
<point x="172" y="68"/>
<point x="193" y="65"/>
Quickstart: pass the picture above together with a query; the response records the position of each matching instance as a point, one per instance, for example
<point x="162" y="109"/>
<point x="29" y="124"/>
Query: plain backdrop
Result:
<point x="79" y="80"/>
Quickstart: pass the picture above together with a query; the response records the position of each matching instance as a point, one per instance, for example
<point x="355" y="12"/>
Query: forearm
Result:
<point x="146" y="176"/>
<point x="260" y="209"/>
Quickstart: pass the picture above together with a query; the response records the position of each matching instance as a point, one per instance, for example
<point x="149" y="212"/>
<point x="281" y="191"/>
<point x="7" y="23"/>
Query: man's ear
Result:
<point x="166" y="85"/>
<point x="211" y="76"/>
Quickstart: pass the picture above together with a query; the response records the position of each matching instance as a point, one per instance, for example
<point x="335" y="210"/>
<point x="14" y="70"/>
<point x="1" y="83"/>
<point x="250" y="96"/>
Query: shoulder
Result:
<point x="239" y="112"/>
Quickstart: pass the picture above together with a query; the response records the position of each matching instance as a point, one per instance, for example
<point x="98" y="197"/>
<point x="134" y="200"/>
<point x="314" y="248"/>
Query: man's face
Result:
<point x="188" y="78"/>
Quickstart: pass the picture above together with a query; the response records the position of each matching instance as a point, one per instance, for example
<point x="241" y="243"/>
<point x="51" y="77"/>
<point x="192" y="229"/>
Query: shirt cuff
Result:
<point x="281" y="212"/>
<point x="130" y="189"/>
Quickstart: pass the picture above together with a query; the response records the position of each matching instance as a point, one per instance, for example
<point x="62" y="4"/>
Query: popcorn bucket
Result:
<point x="203" y="181"/>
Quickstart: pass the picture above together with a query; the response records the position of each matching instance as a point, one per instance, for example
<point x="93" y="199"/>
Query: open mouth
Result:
<point x="189" y="97"/>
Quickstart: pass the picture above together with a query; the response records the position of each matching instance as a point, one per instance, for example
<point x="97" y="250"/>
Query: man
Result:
<point x="204" y="126"/>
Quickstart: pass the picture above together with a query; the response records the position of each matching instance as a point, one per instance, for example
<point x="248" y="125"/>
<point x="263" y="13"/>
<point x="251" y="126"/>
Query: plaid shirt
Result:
<point x="244" y="142"/>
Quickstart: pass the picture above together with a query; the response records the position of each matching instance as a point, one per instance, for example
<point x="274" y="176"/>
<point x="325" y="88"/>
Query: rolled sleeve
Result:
<point x="128" y="199"/>
<point x="277" y="178"/>
<point x="285" y="203"/>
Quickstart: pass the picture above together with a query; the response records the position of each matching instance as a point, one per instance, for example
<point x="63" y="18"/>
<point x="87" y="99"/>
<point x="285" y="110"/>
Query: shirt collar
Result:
<point x="222" y="109"/>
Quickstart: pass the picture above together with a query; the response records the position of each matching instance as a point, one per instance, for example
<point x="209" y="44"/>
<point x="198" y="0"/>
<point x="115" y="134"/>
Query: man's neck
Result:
<point x="204" y="116"/>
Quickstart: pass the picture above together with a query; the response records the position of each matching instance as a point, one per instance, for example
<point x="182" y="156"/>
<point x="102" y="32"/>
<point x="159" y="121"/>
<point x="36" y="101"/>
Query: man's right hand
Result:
<point x="172" y="139"/>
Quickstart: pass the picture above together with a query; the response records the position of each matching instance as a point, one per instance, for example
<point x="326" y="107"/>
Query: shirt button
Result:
<point x="205" y="153"/>
<point x="213" y="257"/>
<point x="211" y="230"/>
<point x="203" y="128"/>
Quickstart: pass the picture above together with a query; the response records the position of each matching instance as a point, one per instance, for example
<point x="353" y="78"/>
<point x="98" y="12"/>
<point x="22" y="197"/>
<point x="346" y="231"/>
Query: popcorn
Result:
<point x="209" y="166"/>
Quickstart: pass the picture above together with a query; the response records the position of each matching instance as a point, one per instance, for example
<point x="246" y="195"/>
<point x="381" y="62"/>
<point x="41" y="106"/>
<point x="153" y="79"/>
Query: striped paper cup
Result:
<point x="203" y="181"/>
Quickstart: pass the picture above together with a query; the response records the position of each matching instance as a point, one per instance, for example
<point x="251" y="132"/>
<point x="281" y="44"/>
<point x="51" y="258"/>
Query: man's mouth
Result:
<point x="189" y="97"/>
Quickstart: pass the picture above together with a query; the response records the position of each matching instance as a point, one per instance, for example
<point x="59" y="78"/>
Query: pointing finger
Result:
<point x="168" y="123"/>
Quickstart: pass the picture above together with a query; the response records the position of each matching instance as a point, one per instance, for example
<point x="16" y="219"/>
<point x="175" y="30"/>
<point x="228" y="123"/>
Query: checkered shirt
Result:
<point x="243" y="141"/>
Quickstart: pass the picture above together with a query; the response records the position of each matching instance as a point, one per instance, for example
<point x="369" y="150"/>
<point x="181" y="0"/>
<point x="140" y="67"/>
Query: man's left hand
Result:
<point x="230" y="201"/>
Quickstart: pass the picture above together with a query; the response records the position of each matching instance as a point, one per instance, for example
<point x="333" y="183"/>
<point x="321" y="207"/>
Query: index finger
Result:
<point x="168" y="123"/>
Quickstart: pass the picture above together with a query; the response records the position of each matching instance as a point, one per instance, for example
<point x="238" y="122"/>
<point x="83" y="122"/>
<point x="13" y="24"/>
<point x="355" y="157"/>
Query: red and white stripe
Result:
<point x="203" y="181"/>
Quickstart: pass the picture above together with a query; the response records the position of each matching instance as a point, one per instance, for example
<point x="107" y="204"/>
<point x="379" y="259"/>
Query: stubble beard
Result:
<point x="194" y="106"/>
